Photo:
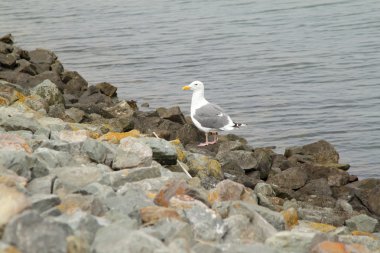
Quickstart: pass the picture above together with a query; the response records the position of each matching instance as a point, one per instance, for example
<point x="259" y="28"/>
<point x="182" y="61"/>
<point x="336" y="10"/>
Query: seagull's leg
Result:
<point x="215" y="137"/>
<point x="205" y="143"/>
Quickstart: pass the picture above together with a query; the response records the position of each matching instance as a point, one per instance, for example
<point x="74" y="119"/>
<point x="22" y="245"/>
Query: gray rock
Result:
<point x="43" y="202"/>
<point x="48" y="159"/>
<point x="30" y="233"/>
<point x="129" y="203"/>
<point x="132" y="153"/>
<point x="241" y="229"/>
<point x="18" y="122"/>
<point x="75" y="114"/>
<point x="163" y="151"/>
<point x="17" y="161"/>
<point x="170" y="229"/>
<point x="101" y="191"/>
<point x="322" y="215"/>
<point x="264" y="161"/>
<point x="264" y="189"/>
<point x="75" y="83"/>
<point x="98" y="151"/>
<point x="41" y="185"/>
<point x="206" y="248"/>
<point x="107" y="89"/>
<point x="8" y="60"/>
<point x="48" y="91"/>
<point x="244" y="159"/>
<point x="372" y="244"/>
<point x="117" y="238"/>
<point x="119" y="178"/>
<point x="42" y="59"/>
<point x="316" y="187"/>
<point x="73" y="178"/>
<point x="173" y="114"/>
<point x="292" y="178"/>
<point x="248" y="248"/>
<point x="291" y="242"/>
<point x="362" y="222"/>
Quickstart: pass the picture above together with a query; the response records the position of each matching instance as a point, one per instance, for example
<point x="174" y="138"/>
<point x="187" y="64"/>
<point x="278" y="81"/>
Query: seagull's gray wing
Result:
<point x="211" y="116"/>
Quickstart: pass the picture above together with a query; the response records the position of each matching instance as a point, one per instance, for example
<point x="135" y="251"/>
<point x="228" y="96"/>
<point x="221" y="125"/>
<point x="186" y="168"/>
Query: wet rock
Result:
<point x="117" y="238"/>
<point x="316" y="187"/>
<point x="292" y="178"/>
<point x="173" y="114"/>
<point x="320" y="152"/>
<point x="8" y="60"/>
<point x="12" y="202"/>
<point x="152" y="214"/>
<point x="363" y="223"/>
<point x="119" y="178"/>
<point x="42" y="59"/>
<point x="163" y="151"/>
<point x="74" y="83"/>
<point x="48" y="91"/>
<point x="244" y="159"/>
<point x="107" y="89"/>
<point x="132" y="152"/>
<point x="30" y="233"/>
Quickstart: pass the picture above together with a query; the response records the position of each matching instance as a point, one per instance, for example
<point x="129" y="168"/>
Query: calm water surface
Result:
<point x="295" y="71"/>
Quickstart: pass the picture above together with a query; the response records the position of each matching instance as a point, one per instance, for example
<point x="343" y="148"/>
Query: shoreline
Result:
<point x="86" y="168"/>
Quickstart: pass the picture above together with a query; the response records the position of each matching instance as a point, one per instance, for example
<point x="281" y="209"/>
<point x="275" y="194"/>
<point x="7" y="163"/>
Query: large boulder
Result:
<point x="74" y="83"/>
<point x="292" y="178"/>
<point x="42" y="59"/>
<point x="48" y="91"/>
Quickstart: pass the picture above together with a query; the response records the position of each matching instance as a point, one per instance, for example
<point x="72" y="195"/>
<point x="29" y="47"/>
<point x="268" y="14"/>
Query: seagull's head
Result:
<point x="196" y="85"/>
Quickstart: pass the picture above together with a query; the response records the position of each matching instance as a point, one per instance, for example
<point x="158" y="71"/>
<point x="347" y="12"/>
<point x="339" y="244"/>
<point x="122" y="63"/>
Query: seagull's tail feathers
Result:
<point x="238" y="125"/>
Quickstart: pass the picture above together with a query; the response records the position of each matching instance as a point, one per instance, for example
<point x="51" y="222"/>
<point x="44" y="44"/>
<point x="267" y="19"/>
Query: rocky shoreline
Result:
<point x="82" y="170"/>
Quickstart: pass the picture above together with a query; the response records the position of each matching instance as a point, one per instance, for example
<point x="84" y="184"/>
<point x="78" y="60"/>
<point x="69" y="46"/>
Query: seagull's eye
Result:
<point x="196" y="84"/>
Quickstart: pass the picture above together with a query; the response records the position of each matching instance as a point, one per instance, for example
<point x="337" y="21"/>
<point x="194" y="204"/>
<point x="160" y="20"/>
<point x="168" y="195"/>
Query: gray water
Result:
<point x="295" y="71"/>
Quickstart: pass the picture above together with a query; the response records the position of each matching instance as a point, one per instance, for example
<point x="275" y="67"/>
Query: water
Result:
<point x="295" y="71"/>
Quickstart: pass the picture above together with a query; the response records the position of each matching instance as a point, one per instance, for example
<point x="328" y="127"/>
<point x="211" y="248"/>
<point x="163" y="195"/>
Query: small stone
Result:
<point x="132" y="153"/>
<point x="107" y="89"/>
<point x="152" y="214"/>
<point x="363" y="223"/>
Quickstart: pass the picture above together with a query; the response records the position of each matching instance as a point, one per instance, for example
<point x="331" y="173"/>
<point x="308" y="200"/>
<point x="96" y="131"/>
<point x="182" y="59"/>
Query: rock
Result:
<point x="248" y="248"/>
<point x="72" y="203"/>
<point x="188" y="133"/>
<point x="316" y="187"/>
<point x="100" y="191"/>
<point x="75" y="114"/>
<point x="48" y="91"/>
<point x="241" y="229"/>
<point x="115" y="138"/>
<point x="321" y="152"/>
<point x="76" y="244"/>
<point x="207" y="169"/>
<point x="57" y="67"/>
<point x="119" y="178"/>
<point x="129" y="203"/>
<point x="12" y="202"/>
<point x="41" y="185"/>
<point x="48" y="159"/>
<point x="73" y="136"/>
<point x="73" y="178"/>
<point x="163" y="151"/>
<point x="173" y="114"/>
<point x="11" y="179"/>
<point x="19" y="121"/>
<point x="334" y="176"/>
<point x="367" y="191"/>
<point x="8" y="60"/>
<point x="322" y="214"/>
<point x="42" y="59"/>
<point x="14" y="142"/>
<point x="93" y="96"/>
<point x="291" y="242"/>
<point x="372" y="244"/>
<point x="170" y="189"/>
<point x="363" y="223"/>
<point x="152" y="214"/>
<point x="132" y="153"/>
<point x="74" y="83"/>
<point x="8" y="39"/>
<point x="18" y="161"/>
<point x="244" y="159"/>
<point x="228" y="190"/>
<point x="43" y="202"/>
<point x="107" y="89"/>
<point x="30" y="233"/>
<point x="290" y="217"/>
<point x="117" y="238"/>
<point x="264" y="161"/>
<point x="98" y="151"/>
<point x="338" y="247"/>
<point x="292" y="178"/>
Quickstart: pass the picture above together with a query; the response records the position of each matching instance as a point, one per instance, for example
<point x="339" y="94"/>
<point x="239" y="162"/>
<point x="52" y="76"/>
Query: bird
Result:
<point x="206" y="116"/>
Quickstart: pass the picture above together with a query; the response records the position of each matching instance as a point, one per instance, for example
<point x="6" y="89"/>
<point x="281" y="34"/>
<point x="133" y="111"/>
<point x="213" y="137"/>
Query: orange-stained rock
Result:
<point x="186" y="202"/>
<point x="12" y="202"/>
<point x="115" y="137"/>
<point x="170" y="189"/>
<point x="10" y="249"/>
<point x="181" y="153"/>
<point x="14" y="142"/>
<point x="74" y="202"/>
<point x="338" y="247"/>
<point x="290" y="217"/>
<point x="227" y="190"/>
<point x="362" y="233"/>
<point x="325" y="228"/>
<point x="11" y="179"/>
<point x="152" y="214"/>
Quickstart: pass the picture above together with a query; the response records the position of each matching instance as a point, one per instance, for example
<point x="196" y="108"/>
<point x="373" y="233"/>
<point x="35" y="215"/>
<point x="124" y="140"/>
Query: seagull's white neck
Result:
<point x="198" y="100"/>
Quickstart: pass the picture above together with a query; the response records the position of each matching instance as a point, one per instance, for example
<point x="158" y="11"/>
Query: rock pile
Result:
<point x="81" y="171"/>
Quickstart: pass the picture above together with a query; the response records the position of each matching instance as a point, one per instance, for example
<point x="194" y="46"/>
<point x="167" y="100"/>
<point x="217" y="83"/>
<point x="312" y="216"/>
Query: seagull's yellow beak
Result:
<point x="186" y="87"/>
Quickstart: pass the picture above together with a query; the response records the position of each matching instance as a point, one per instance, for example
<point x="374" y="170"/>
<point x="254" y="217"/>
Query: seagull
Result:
<point x="208" y="117"/>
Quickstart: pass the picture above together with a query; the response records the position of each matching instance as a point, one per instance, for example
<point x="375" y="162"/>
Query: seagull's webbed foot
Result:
<point x="204" y="144"/>
<point x="215" y="134"/>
